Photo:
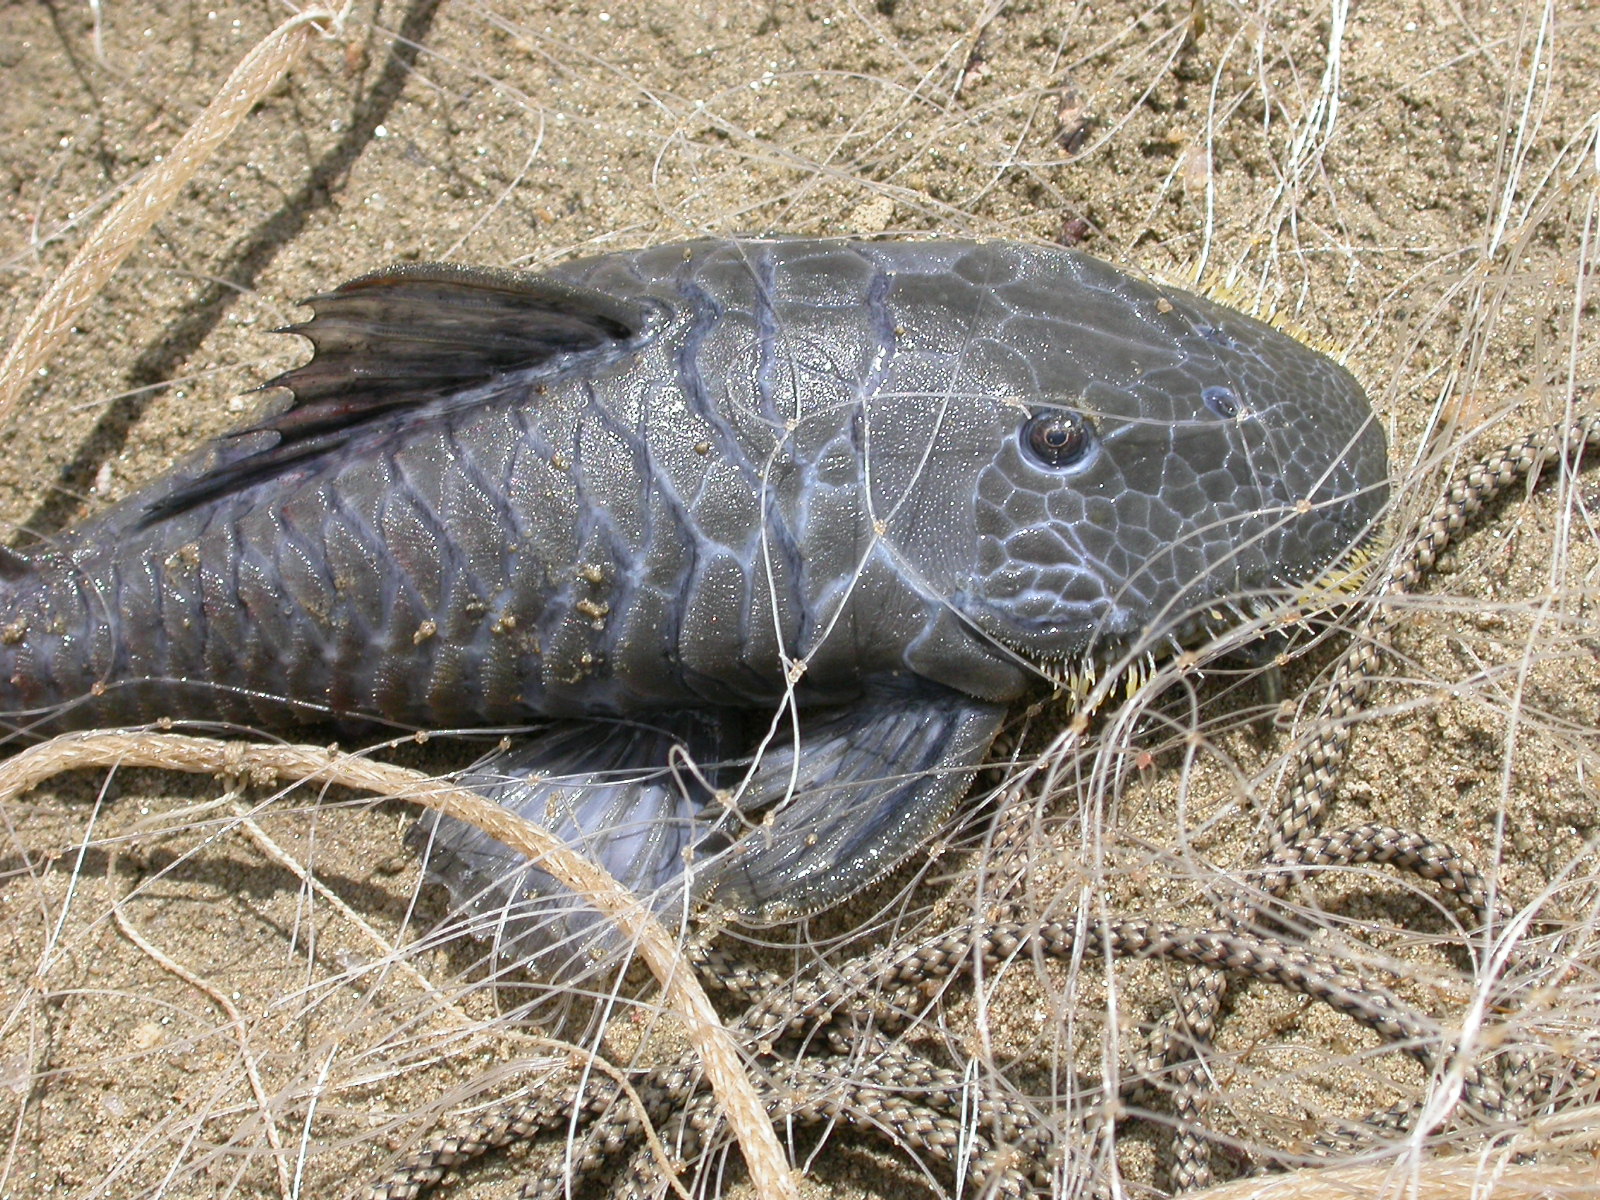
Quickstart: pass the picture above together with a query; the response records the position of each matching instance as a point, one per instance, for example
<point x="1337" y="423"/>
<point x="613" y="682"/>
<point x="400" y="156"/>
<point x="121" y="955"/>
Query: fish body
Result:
<point x="814" y="510"/>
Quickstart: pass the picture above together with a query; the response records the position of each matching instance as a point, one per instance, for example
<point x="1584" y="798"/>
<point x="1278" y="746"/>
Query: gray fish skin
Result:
<point x="696" y="479"/>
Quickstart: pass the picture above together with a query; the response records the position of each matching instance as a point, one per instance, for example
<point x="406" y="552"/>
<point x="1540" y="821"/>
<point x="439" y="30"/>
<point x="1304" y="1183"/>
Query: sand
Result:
<point x="1411" y="185"/>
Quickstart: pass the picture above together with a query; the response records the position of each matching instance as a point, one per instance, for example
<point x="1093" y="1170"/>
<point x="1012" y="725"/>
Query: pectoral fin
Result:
<point x="866" y="787"/>
<point x="623" y="794"/>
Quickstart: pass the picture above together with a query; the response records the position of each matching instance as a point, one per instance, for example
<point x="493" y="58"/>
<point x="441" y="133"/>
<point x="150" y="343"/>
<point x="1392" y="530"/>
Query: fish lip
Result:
<point x="1131" y="646"/>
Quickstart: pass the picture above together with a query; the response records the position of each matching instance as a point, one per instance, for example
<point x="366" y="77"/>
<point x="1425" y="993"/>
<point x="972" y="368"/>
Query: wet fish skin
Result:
<point x="699" y="479"/>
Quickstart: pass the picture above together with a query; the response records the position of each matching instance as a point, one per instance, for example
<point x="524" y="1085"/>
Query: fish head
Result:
<point x="1187" y="469"/>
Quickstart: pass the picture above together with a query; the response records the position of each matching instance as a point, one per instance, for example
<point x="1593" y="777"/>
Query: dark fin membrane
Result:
<point x="621" y="793"/>
<point x="870" y="785"/>
<point x="402" y="338"/>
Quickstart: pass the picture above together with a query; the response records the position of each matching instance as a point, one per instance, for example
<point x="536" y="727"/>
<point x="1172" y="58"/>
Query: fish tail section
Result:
<point x="86" y="638"/>
<point x="14" y="569"/>
<point x="27" y="684"/>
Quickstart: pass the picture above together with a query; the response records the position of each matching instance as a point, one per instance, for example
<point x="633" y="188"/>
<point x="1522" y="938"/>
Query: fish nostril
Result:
<point x="1222" y="401"/>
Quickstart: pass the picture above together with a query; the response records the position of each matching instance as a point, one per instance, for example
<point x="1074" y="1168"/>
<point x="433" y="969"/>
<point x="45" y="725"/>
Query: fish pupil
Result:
<point x="1057" y="439"/>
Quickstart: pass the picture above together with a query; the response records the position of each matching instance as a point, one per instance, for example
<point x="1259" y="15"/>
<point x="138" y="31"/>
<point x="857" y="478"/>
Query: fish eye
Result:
<point x="1221" y="401"/>
<point x="1057" y="438"/>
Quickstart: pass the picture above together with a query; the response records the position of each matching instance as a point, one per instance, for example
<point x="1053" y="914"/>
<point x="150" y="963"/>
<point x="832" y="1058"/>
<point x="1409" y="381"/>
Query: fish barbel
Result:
<point x="731" y="529"/>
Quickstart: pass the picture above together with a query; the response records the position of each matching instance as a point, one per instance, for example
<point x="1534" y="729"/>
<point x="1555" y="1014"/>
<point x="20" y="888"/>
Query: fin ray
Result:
<point x="610" y="790"/>
<point x="871" y="784"/>
<point x="398" y="340"/>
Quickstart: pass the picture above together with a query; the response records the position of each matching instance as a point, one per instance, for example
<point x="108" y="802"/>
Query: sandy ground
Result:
<point x="1413" y="184"/>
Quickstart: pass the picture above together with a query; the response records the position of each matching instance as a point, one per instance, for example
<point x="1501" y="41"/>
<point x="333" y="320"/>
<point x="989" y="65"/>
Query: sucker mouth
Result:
<point x="1093" y="677"/>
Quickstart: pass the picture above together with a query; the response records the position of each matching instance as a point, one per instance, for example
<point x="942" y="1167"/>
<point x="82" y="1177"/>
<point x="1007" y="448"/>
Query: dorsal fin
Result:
<point x="403" y="337"/>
